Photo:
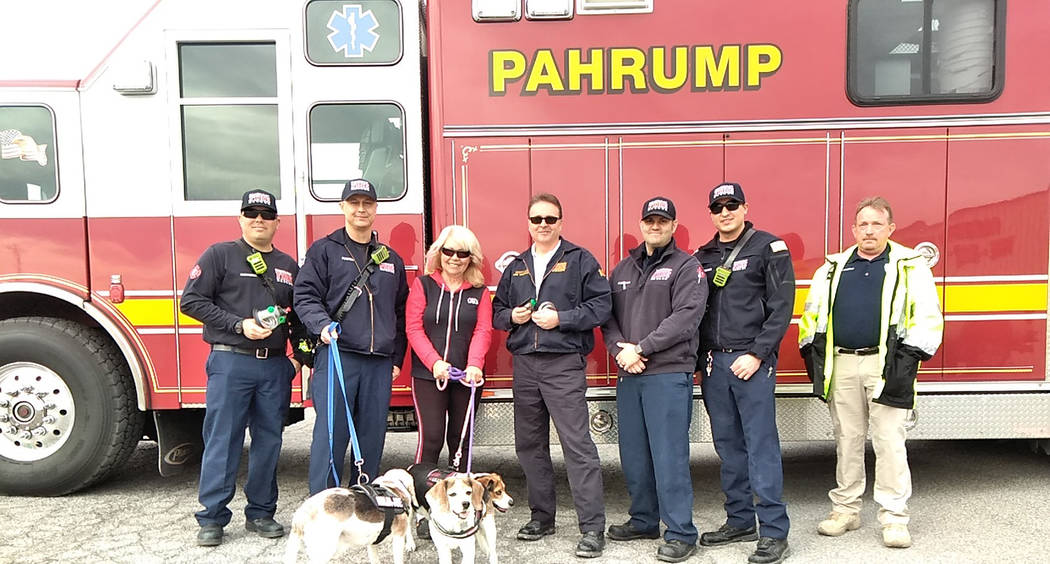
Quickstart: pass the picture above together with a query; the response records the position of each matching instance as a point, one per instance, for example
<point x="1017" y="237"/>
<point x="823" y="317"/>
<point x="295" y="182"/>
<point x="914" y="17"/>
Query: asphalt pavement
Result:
<point x="974" y="501"/>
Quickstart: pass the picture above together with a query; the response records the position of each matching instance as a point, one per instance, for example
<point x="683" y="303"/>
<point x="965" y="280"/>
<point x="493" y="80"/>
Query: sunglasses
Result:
<point x="266" y="214"/>
<point x="548" y="219"/>
<point x="717" y="207"/>
<point x="449" y="252"/>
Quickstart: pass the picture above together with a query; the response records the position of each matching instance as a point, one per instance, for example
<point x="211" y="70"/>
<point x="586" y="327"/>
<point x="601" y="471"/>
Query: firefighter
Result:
<point x="659" y="294"/>
<point x="249" y="374"/>
<point x="749" y="309"/>
<point x="372" y="342"/>
<point x="871" y="316"/>
<point x="549" y="300"/>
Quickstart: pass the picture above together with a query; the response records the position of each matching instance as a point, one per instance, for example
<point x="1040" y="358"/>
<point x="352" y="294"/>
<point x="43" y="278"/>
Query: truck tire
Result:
<point x="68" y="414"/>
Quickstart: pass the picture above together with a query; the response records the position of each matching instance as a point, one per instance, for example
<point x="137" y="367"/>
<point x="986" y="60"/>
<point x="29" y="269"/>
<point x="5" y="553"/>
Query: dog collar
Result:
<point x="470" y="531"/>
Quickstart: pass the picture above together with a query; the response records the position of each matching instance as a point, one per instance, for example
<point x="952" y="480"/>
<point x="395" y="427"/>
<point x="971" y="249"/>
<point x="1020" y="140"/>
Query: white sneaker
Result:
<point x="838" y="523"/>
<point x="896" y="535"/>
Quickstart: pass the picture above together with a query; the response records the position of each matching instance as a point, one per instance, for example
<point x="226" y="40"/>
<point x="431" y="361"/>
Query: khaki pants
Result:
<point x="853" y="380"/>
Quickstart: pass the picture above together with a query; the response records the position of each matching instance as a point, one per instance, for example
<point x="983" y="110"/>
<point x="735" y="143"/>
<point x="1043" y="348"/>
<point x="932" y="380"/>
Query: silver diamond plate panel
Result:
<point x="959" y="416"/>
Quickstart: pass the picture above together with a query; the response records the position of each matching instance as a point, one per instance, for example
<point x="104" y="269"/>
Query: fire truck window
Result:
<point x="357" y="141"/>
<point x="28" y="169"/>
<point x="227" y="150"/>
<point x="229" y="119"/>
<point x="922" y="51"/>
<point x="367" y="32"/>
<point x="227" y="69"/>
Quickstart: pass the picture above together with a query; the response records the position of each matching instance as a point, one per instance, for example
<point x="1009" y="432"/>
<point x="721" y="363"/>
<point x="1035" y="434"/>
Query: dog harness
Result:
<point x="386" y="501"/>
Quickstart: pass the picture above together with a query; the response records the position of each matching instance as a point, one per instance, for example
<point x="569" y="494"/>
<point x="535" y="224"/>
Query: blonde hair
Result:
<point x="460" y="238"/>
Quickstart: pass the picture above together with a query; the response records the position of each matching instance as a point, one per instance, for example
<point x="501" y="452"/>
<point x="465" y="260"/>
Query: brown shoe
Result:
<point x="838" y="523"/>
<point x="896" y="535"/>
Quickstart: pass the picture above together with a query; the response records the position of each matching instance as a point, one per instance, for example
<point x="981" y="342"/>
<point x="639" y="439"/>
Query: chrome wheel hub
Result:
<point x="36" y="411"/>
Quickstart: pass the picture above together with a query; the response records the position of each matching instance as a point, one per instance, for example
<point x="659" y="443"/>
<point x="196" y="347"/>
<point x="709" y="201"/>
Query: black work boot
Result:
<point x="265" y="527"/>
<point x="675" y="551"/>
<point x="591" y="544"/>
<point x="727" y="534"/>
<point x="209" y="535"/>
<point x="626" y="532"/>
<point x="534" y="530"/>
<point x="769" y="551"/>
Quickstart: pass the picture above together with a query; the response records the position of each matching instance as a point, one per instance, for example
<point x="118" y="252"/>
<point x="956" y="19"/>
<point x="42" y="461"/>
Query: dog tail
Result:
<point x="291" y="547"/>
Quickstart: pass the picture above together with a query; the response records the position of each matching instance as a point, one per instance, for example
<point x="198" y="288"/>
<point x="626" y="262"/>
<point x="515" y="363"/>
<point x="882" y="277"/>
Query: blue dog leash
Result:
<point x="335" y="361"/>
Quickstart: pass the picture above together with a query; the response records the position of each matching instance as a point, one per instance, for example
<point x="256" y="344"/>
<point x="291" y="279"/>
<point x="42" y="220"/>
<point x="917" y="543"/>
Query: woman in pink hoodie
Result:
<point x="449" y="324"/>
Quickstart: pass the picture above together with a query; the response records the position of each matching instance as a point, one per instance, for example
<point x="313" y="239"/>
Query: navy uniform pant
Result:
<point x="553" y="386"/>
<point x="744" y="429"/>
<point x="368" y="380"/>
<point x="243" y="391"/>
<point x="654" y="412"/>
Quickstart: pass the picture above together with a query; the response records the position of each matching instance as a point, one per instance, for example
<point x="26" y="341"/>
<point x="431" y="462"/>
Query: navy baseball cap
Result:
<point x="359" y="186"/>
<point x="730" y="190"/>
<point x="659" y="205"/>
<point x="259" y="199"/>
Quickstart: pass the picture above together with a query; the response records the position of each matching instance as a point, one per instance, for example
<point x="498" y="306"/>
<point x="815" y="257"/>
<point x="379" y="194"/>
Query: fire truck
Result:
<point x="114" y="178"/>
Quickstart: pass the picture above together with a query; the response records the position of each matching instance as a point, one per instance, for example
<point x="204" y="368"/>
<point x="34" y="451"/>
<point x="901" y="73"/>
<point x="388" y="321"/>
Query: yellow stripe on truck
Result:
<point x="154" y="312"/>
<point x="974" y="298"/>
<point x="971" y="298"/>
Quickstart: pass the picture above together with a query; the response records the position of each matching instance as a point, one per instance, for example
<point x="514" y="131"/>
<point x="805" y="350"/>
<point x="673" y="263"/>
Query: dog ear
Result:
<point x="477" y="493"/>
<point x="438" y="495"/>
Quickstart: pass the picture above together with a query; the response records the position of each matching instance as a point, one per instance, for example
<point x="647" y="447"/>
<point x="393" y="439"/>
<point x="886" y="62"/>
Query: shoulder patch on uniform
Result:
<point x="700" y="274"/>
<point x="196" y="272"/>
<point x="386" y="267"/>
<point x="778" y="246"/>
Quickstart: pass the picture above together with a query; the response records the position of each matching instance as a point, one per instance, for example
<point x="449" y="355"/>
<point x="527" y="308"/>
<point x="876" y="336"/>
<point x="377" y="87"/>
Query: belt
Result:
<point x="257" y="353"/>
<point x="866" y="351"/>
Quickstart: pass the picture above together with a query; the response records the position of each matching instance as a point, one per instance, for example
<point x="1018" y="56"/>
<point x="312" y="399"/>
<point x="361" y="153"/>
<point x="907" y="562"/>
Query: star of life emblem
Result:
<point x="353" y="31"/>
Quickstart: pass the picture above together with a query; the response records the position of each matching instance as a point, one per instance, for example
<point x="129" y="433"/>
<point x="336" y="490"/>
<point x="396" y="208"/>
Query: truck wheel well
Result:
<point x="26" y="304"/>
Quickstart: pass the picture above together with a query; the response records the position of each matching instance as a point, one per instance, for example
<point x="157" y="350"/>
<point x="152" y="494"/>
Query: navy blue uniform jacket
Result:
<point x="376" y="322"/>
<point x="575" y="285"/>
<point x="222" y="289"/>
<point x="753" y="310"/>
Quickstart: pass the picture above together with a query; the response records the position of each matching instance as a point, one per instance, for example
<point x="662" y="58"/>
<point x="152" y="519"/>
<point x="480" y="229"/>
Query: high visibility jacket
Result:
<point x="911" y="325"/>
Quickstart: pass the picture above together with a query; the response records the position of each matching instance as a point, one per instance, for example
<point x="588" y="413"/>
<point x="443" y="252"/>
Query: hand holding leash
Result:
<point x="330" y="333"/>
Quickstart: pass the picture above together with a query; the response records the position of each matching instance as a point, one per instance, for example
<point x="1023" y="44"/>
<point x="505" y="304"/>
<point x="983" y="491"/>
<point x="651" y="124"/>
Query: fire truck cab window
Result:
<point x="357" y="141"/>
<point x="924" y="51"/>
<point x="228" y="108"/>
<point x="28" y="168"/>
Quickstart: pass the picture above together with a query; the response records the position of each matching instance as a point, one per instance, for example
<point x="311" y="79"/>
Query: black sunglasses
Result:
<point x="449" y="252"/>
<point x="549" y="219"/>
<point x="717" y="206"/>
<point x="266" y="214"/>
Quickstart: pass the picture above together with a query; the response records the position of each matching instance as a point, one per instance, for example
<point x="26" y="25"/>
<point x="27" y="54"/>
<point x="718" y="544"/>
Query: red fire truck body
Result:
<point x="113" y="181"/>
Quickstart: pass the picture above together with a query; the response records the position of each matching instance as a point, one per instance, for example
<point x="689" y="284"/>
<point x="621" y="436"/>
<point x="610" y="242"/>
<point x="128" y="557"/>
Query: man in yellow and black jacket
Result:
<point x="871" y="317"/>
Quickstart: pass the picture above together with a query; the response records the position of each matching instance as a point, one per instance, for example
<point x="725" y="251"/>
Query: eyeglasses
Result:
<point x="717" y="206"/>
<point x="548" y="219"/>
<point x="266" y="214"/>
<point x="449" y="252"/>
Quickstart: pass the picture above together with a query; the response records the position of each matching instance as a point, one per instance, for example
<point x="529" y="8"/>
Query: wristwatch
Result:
<point x="638" y="350"/>
<point x="239" y="327"/>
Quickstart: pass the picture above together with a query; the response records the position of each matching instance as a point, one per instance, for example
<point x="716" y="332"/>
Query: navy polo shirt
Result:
<point x="858" y="301"/>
